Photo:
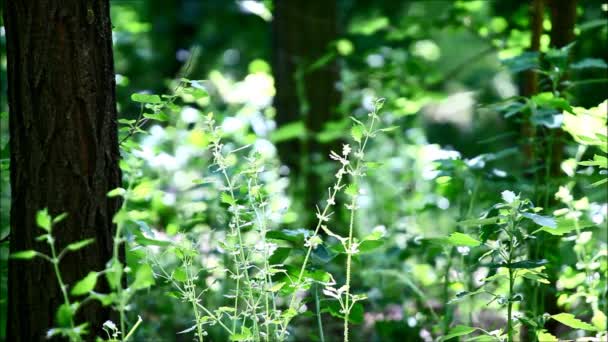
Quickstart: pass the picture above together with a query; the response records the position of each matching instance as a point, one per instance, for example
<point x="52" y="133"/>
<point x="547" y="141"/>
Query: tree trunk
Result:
<point x="563" y="20"/>
<point x="64" y="151"/>
<point x="302" y="33"/>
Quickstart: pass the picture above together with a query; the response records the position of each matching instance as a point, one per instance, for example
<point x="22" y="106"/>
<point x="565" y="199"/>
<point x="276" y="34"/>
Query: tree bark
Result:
<point x="302" y="32"/>
<point x="64" y="151"/>
<point x="563" y="20"/>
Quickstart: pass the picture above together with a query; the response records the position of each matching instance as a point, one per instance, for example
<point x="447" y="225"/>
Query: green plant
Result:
<point x="66" y="327"/>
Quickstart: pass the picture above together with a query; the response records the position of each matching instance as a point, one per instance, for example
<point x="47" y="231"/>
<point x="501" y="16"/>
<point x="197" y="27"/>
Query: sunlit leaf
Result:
<point x="85" y="285"/>
<point x="460" y="239"/>
<point x="573" y="322"/>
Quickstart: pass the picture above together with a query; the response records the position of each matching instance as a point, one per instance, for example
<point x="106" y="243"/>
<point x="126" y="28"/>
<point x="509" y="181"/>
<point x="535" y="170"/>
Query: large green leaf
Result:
<point x="573" y="322"/>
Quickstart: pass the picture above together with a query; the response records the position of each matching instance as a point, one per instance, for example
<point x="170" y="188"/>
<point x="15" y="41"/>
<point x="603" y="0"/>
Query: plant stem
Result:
<point x="64" y="292"/>
<point x="349" y="254"/>
<point x="511" y="283"/>
<point x="319" y="321"/>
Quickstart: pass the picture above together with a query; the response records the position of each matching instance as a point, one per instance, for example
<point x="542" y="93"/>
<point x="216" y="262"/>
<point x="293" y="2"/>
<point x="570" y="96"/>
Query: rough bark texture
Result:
<point x="64" y="150"/>
<point x="302" y="33"/>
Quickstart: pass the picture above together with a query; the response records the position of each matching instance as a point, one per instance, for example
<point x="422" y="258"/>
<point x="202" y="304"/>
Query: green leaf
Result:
<point x="86" y="285"/>
<point x="79" y="245"/>
<point x="357" y="133"/>
<point x="276" y="287"/>
<point x="43" y="219"/>
<point x="227" y="198"/>
<point x="63" y="316"/>
<point x="24" y="255"/>
<point x="566" y="225"/>
<point x="355" y="316"/>
<point x="144" y="277"/>
<point x="160" y="116"/>
<point x="525" y="61"/>
<point x="113" y="273"/>
<point x="589" y="63"/>
<point x="460" y="239"/>
<point x="352" y="190"/>
<point x="389" y="129"/>
<point x="479" y="222"/>
<point x="544" y="336"/>
<point x="289" y="131"/>
<point x="370" y="245"/>
<point x="292" y="235"/>
<point x="180" y="275"/>
<point x="59" y="218"/>
<point x="523" y="264"/>
<point x="279" y="255"/>
<point x="244" y="335"/>
<point x="541" y="220"/>
<point x="459" y="330"/>
<point x="145" y="98"/>
<point x="573" y="322"/>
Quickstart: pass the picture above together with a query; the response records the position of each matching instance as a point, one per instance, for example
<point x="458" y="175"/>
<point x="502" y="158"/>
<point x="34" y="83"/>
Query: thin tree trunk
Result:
<point x="302" y="33"/>
<point x="64" y="150"/>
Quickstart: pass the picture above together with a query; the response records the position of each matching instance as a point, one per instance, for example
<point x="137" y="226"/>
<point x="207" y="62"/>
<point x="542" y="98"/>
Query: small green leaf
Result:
<point x="460" y="239"/>
<point x="279" y="255"/>
<point x="59" y="218"/>
<point x="244" y="335"/>
<point x="276" y="287"/>
<point x="117" y="192"/>
<point x="523" y="264"/>
<point x="86" y="285"/>
<point x="352" y="190"/>
<point x="370" y="245"/>
<point x="227" y="198"/>
<point x="289" y="131"/>
<point x="597" y="63"/>
<point x="63" y="316"/>
<point x="144" y="277"/>
<point x="145" y="98"/>
<point x="389" y="129"/>
<point x="113" y="273"/>
<point x="541" y="220"/>
<point x="479" y="222"/>
<point x="459" y="330"/>
<point x="24" y="255"/>
<point x="180" y="275"/>
<point x="544" y="336"/>
<point x="357" y="133"/>
<point x="573" y="322"/>
<point x="43" y="219"/>
<point x="160" y="116"/>
<point x="79" y="245"/>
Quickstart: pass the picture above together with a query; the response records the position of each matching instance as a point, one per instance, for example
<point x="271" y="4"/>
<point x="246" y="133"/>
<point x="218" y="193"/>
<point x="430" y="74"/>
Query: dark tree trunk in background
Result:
<point x="563" y="20"/>
<point x="64" y="150"/>
<point x="530" y="87"/>
<point x="302" y="32"/>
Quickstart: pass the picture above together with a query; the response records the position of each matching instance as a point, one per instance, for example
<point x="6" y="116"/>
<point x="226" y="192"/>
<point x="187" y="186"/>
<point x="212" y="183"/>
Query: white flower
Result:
<point x="346" y="149"/>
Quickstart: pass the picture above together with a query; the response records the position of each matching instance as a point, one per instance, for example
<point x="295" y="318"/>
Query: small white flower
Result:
<point x="346" y="149"/>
